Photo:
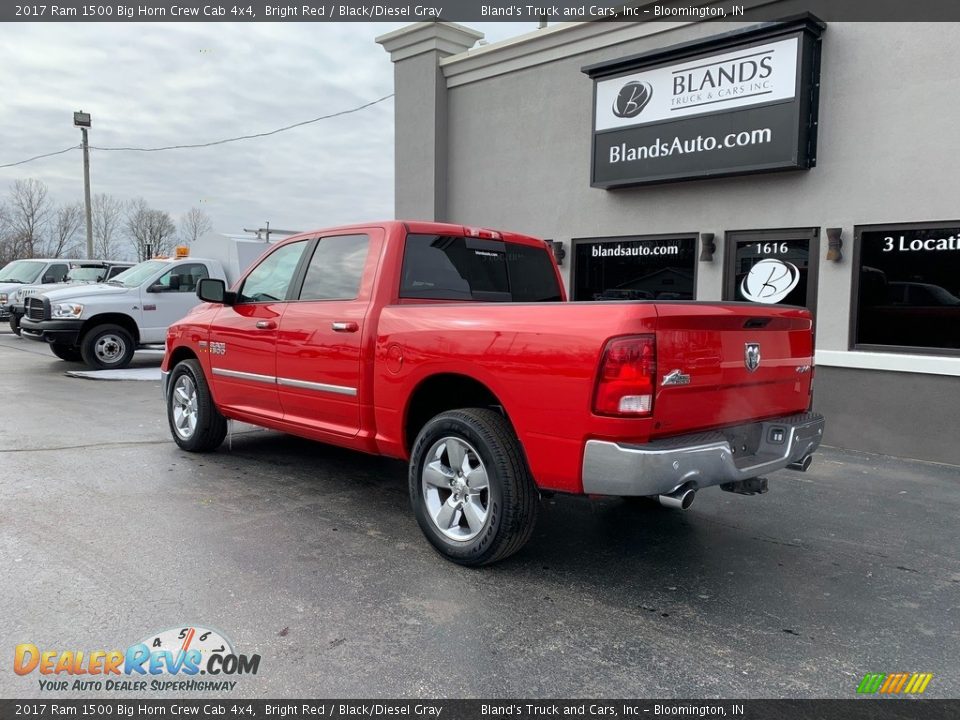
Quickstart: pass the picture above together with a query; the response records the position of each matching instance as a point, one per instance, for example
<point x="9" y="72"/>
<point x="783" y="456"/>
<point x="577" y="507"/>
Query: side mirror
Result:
<point x="48" y="279"/>
<point x="213" y="290"/>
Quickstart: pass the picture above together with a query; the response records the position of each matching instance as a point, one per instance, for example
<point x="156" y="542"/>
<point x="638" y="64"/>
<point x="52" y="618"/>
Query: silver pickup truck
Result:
<point x="82" y="272"/>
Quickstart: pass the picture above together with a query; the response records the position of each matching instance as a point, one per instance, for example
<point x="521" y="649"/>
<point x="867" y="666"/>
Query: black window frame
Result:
<point x="732" y="237"/>
<point x="852" y="343"/>
<point x="666" y="237"/>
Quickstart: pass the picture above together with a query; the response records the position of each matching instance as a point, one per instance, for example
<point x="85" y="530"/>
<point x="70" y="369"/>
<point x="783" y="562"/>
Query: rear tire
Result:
<point x="15" y="324"/>
<point x="66" y="352"/>
<point x="195" y="422"/>
<point x="470" y="488"/>
<point x="107" y="347"/>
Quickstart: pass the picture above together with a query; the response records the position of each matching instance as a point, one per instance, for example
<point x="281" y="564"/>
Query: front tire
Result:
<point x="66" y="352"/>
<point x="107" y="347"/>
<point x="15" y="324"/>
<point x="195" y="422"/>
<point x="470" y="488"/>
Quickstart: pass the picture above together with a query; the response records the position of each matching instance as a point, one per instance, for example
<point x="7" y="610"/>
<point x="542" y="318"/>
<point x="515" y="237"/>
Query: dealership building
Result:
<point x="793" y="161"/>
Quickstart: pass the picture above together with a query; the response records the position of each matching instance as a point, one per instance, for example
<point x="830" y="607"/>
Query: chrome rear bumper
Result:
<point x="700" y="459"/>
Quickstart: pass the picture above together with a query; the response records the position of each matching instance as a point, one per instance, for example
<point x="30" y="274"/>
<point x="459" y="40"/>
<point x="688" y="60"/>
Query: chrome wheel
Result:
<point x="110" y="348"/>
<point x="456" y="489"/>
<point x="184" y="401"/>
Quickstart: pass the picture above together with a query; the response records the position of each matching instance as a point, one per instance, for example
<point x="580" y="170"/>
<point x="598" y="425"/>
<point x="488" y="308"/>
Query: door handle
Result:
<point x="266" y="325"/>
<point x="345" y="327"/>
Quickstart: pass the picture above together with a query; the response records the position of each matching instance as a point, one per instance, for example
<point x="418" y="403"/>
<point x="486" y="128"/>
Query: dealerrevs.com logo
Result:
<point x="632" y="99"/>
<point x="170" y="660"/>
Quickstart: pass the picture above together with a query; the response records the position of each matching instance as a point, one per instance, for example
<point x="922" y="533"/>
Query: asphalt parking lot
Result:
<point x="309" y="556"/>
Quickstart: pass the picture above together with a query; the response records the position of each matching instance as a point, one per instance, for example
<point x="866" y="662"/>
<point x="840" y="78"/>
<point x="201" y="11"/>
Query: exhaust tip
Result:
<point x="678" y="499"/>
<point x="802" y="464"/>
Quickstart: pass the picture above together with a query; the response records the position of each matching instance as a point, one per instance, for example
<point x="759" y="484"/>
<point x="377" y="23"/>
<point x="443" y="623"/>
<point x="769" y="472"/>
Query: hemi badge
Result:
<point x="675" y="377"/>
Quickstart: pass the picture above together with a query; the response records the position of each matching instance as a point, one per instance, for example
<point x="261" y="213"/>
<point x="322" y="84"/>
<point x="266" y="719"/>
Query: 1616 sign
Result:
<point x="738" y="103"/>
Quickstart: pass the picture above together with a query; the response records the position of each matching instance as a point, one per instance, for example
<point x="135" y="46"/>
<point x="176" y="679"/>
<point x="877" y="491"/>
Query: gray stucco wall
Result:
<point x="519" y="155"/>
<point x="420" y="156"/>
<point x="893" y="413"/>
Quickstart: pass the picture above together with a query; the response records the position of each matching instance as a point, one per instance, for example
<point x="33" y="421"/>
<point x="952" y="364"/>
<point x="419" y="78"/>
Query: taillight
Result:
<point x="483" y="233"/>
<point x="628" y="376"/>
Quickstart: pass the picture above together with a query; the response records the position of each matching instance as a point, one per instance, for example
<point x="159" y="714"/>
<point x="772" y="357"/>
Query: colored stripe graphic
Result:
<point x="871" y="683"/>
<point x="894" y="683"/>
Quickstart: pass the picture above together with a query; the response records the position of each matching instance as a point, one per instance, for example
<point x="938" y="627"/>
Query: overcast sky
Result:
<point x="153" y="84"/>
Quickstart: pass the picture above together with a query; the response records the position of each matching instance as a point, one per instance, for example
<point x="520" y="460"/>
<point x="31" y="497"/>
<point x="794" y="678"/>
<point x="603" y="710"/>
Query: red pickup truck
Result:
<point x="453" y="348"/>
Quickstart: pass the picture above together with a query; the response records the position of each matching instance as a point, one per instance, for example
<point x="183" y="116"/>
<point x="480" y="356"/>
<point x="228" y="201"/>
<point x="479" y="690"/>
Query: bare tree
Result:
<point x="66" y="223"/>
<point x="150" y="231"/>
<point x="194" y="224"/>
<point x="29" y="209"/>
<point x="107" y="214"/>
<point x="6" y="236"/>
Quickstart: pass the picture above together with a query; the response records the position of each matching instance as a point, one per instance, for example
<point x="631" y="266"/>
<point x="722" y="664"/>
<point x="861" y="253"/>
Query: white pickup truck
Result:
<point x="104" y="324"/>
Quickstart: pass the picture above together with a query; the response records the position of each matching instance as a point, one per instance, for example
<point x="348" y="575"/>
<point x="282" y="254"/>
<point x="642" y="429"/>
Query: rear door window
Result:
<point x="336" y="268"/>
<point x="444" y="267"/>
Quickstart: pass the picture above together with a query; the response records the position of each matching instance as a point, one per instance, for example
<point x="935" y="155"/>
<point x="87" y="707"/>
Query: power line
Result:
<point x="37" y="157"/>
<point x="208" y="144"/>
<point x="247" y="137"/>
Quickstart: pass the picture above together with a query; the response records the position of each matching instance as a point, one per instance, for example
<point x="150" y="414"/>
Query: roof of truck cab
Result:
<point x="418" y="227"/>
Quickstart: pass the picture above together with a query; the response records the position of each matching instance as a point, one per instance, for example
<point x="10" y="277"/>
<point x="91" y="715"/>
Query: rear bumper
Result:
<point x="65" y="332"/>
<point x="700" y="460"/>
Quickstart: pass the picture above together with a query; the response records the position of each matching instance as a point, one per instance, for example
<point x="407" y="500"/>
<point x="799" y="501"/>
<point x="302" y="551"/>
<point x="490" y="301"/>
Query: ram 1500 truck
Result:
<point x="453" y="348"/>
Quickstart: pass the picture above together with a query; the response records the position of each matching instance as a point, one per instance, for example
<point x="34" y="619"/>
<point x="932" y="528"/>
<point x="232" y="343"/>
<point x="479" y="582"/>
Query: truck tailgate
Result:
<point x="736" y="362"/>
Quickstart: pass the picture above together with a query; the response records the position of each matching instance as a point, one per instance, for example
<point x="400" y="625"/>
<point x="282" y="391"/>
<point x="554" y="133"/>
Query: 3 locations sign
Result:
<point x="739" y="103"/>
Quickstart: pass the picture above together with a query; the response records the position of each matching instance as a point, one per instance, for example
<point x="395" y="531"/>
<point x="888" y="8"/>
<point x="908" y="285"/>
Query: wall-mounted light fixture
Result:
<point x="708" y="247"/>
<point x="559" y="252"/>
<point x="834" y="244"/>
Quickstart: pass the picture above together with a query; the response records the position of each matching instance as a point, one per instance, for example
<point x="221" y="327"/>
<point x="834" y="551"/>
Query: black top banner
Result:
<point x="469" y="11"/>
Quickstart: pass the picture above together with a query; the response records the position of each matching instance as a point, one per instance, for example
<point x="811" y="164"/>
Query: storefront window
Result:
<point x="773" y="267"/>
<point x="635" y="268"/>
<point x="907" y="288"/>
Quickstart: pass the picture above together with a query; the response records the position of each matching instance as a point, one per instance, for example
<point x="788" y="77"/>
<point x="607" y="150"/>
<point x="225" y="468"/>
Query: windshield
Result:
<point x="138" y="273"/>
<point x="22" y="271"/>
<point x="85" y="274"/>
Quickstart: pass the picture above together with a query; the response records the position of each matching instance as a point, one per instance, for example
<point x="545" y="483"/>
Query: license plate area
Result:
<point x="744" y="440"/>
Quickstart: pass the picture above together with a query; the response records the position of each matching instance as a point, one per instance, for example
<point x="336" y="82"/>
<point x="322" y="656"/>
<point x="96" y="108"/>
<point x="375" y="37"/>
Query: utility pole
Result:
<point x="82" y="121"/>
<point x="268" y="231"/>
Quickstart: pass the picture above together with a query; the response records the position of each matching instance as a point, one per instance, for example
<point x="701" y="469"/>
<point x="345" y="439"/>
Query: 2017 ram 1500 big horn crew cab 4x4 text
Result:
<point x="453" y="348"/>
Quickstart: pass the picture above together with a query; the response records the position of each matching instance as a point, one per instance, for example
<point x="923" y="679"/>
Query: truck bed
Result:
<point x="541" y="362"/>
